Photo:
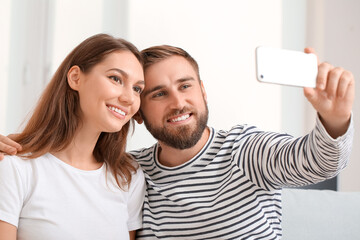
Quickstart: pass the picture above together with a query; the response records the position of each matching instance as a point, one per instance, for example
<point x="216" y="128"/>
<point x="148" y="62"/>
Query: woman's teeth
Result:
<point x="116" y="110"/>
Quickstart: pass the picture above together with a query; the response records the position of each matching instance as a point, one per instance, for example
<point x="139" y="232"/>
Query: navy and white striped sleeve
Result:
<point x="273" y="160"/>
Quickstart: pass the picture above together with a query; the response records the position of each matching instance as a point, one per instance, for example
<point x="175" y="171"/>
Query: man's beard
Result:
<point x="182" y="137"/>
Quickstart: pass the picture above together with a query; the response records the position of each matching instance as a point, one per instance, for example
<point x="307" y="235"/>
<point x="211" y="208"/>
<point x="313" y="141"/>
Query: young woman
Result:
<point x="72" y="179"/>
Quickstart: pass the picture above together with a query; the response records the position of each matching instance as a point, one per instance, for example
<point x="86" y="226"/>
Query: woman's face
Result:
<point x="110" y="92"/>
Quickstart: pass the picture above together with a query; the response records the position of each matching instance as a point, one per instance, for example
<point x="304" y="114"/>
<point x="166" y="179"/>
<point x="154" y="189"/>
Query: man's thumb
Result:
<point x="310" y="94"/>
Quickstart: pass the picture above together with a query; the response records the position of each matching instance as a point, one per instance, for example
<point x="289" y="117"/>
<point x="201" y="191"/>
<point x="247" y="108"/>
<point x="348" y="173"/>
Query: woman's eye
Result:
<point x="138" y="89"/>
<point x="116" y="79"/>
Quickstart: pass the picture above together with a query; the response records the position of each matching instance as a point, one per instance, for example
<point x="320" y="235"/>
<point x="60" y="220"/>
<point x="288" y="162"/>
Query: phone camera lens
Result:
<point x="261" y="76"/>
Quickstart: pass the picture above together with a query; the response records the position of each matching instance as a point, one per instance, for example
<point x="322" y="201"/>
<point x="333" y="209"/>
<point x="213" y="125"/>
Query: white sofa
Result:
<point x="320" y="214"/>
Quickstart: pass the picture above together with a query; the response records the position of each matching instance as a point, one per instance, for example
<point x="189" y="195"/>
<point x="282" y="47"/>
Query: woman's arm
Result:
<point x="8" y="231"/>
<point x="132" y="235"/>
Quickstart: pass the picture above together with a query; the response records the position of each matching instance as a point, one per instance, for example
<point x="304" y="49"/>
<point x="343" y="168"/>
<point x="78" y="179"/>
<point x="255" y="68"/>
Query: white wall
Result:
<point x="74" y="21"/>
<point x="4" y="59"/>
<point x="221" y="36"/>
<point x="40" y="34"/>
<point x="333" y="29"/>
<point x="342" y="38"/>
<point x="294" y="104"/>
<point x="336" y="31"/>
<point x="27" y="58"/>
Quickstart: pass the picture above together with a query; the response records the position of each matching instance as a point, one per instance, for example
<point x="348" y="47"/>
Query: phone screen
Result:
<point x="287" y="67"/>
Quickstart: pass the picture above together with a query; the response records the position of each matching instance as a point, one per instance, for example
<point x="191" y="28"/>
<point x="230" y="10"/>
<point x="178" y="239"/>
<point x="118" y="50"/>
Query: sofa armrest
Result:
<point x="320" y="214"/>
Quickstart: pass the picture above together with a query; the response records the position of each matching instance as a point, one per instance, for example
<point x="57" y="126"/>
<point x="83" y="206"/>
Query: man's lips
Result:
<point x="179" y="118"/>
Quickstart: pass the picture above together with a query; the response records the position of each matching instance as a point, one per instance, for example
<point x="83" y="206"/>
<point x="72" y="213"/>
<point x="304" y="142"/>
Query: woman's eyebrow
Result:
<point x="122" y="72"/>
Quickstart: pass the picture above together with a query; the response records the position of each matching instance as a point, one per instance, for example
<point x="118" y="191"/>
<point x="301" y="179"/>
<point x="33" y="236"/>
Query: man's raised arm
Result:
<point x="333" y="97"/>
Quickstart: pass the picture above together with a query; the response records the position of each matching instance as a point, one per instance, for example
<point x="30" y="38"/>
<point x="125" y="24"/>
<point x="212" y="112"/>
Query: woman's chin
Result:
<point x="113" y="129"/>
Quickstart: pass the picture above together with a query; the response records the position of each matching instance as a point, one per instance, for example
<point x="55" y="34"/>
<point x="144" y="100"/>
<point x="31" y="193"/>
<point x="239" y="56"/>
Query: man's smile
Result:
<point x="180" y="118"/>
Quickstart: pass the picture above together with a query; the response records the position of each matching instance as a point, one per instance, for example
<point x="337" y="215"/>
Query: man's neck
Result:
<point x="172" y="157"/>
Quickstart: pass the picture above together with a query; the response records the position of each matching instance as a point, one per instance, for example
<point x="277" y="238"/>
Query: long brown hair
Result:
<point x="57" y="115"/>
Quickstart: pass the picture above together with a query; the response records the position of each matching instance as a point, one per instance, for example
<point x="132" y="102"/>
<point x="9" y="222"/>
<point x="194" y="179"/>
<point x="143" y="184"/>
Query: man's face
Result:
<point x="173" y="104"/>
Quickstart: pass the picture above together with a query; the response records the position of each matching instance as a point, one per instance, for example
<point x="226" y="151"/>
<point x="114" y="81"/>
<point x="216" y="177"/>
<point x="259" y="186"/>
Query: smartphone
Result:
<point x="286" y="67"/>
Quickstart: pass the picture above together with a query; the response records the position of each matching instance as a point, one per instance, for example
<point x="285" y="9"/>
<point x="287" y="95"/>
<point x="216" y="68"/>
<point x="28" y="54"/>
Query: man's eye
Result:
<point x="116" y="79"/>
<point x="138" y="89"/>
<point x="185" y="86"/>
<point x="159" y="94"/>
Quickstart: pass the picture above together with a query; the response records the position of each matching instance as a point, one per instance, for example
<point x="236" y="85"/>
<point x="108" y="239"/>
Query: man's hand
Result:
<point x="8" y="146"/>
<point x="333" y="97"/>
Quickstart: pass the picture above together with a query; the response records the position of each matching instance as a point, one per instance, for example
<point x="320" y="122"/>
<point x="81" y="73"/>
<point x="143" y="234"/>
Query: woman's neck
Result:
<point x="79" y="153"/>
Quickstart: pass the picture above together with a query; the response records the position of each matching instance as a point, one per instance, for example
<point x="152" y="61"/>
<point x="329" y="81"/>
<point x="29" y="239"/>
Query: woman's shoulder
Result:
<point x="18" y="162"/>
<point x="137" y="178"/>
<point x="138" y="173"/>
<point x="13" y="160"/>
<point x="13" y="166"/>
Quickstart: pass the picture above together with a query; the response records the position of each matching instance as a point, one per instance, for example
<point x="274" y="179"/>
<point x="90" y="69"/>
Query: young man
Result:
<point x="209" y="184"/>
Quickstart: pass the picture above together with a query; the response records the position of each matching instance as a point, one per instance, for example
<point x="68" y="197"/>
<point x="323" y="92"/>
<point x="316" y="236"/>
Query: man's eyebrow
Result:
<point x="184" y="79"/>
<point x="180" y="80"/>
<point x="147" y="92"/>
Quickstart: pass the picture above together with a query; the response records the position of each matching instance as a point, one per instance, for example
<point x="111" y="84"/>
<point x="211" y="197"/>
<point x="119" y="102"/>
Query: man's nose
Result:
<point x="177" y="101"/>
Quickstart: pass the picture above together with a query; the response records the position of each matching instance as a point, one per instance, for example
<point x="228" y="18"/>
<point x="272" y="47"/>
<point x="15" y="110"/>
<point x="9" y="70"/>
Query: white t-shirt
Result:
<point x="45" y="198"/>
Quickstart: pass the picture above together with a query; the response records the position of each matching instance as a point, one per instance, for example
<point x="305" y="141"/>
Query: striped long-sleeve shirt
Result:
<point x="232" y="188"/>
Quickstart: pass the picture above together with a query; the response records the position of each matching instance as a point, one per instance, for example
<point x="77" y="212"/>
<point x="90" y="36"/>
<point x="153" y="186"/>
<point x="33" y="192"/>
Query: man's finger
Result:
<point x="7" y="149"/>
<point x="310" y="94"/>
<point x="311" y="50"/>
<point x="333" y="81"/>
<point x="7" y="141"/>
<point x="346" y="79"/>
<point x="323" y="71"/>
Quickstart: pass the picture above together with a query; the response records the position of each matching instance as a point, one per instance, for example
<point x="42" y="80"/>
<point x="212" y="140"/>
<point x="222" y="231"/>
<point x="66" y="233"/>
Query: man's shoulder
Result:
<point x="142" y="153"/>
<point x="235" y="130"/>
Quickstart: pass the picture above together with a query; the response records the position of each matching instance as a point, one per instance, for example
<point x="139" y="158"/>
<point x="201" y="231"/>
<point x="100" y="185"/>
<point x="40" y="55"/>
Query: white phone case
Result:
<point x="287" y="67"/>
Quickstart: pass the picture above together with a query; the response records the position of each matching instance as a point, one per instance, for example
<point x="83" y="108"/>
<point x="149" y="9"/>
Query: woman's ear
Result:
<point x="73" y="77"/>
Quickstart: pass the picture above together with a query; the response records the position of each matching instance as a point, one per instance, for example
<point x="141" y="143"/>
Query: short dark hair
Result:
<point x="159" y="53"/>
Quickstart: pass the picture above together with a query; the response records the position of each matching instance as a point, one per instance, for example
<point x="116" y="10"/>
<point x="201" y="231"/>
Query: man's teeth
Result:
<point x="116" y="110"/>
<point x="182" y="118"/>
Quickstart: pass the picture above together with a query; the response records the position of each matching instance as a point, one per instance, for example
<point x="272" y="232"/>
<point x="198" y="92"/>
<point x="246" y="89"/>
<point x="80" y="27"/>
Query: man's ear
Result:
<point x="203" y="90"/>
<point x="137" y="117"/>
<point x="73" y="77"/>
